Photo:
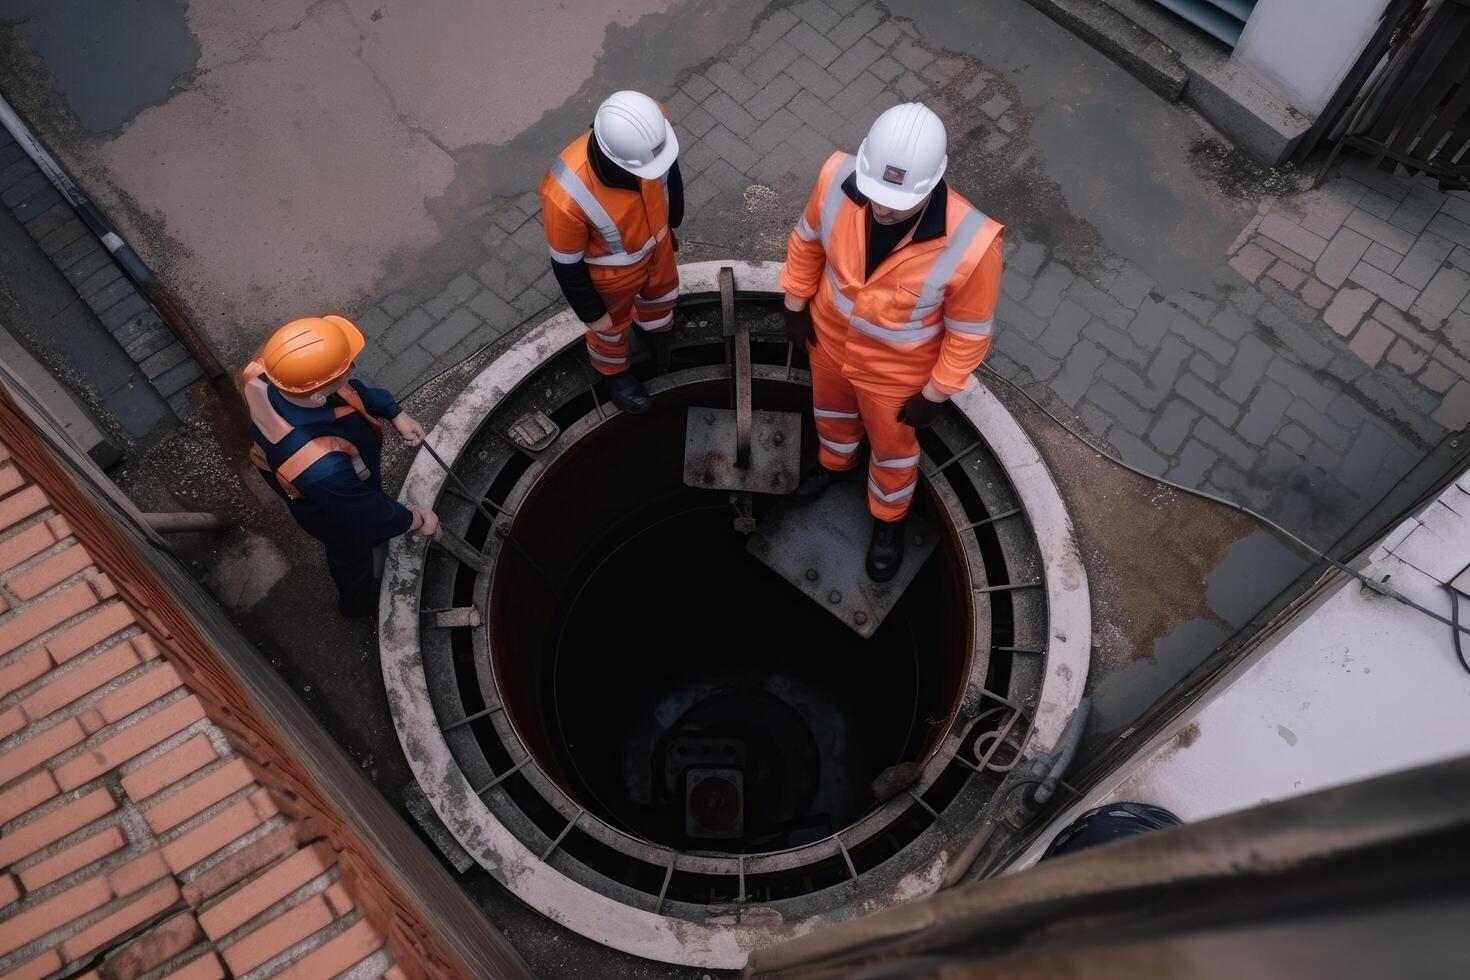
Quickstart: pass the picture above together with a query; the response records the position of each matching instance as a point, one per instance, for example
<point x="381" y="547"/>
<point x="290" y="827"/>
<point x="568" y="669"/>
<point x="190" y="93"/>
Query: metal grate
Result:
<point x="1221" y="19"/>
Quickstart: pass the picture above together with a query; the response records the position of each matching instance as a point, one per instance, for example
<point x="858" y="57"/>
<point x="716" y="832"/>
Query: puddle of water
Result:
<point x="1128" y="692"/>
<point x="109" y="59"/>
<point x="1119" y="153"/>
<point x="1255" y="570"/>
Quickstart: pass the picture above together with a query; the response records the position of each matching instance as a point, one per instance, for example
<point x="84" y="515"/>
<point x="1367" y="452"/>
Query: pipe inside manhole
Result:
<point x="682" y="691"/>
<point x="645" y="734"/>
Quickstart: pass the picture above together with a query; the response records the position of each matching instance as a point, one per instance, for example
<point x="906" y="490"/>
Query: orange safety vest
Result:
<point x="926" y="312"/>
<point x="604" y="226"/>
<point x="290" y="451"/>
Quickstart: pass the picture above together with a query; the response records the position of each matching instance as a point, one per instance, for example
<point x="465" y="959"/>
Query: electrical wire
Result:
<point x="1262" y="519"/>
<point x="1455" y="615"/>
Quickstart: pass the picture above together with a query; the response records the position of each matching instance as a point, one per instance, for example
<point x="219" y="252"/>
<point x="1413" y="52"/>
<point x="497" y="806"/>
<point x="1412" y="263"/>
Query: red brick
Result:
<point x="91" y="721"/>
<point x="11" y="722"/>
<point x="39" y="749"/>
<point x="169" y="768"/>
<point x="79" y="855"/>
<point x="243" y="863"/>
<point x="59" y="527"/>
<point x="23" y="669"/>
<point x="278" y="935"/>
<point x="62" y="688"/>
<point x="49" y="573"/>
<point x="10" y="479"/>
<point x="206" y="967"/>
<point x="395" y="972"/>
<point x="251" y="899"/>
<point x="103" y="586"/>
<point x="131" y="741"/>
<point x="224" y="828"/>
<point x="233" y="776"/>
<point x="91" y="631"/>
<point x="171" y="937"/>
<point x="44" y="965"/>
<point x="18" y="506"/>
<point x="109" y="928"/>
<point x="9" y="890"/>
<point x="145" y="646"/>
<point x="35" y="619"/>
<point x="348" y="949"/>
<point x="264" y="803"/>
<point x="339" y="898"/>
<point x="142" y="690"/>
<point x="55" y="825"/>
<point x="138" y="873"/>
<point x="27" y="794"/>
<point x="38" y="920"/>
<point x="32" y="541"/>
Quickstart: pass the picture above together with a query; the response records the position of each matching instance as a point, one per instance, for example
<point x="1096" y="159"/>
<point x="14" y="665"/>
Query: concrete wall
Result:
<point x="1303" y="48"/>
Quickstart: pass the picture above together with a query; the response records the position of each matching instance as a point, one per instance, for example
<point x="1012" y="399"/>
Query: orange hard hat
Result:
<point x="310" y="353"/>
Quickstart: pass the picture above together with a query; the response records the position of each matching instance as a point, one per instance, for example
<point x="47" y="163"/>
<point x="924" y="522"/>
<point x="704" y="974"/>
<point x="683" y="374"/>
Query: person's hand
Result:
<point x="799" y="327"/>
<point x="920" y="410"/>
<point x="425" y="522"/>
<point x="409" y="428"/>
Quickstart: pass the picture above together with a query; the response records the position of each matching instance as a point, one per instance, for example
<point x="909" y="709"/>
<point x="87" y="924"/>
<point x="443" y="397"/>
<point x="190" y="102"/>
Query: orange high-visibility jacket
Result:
<point x="925" y="315"/>
<point x="605" y="226"/>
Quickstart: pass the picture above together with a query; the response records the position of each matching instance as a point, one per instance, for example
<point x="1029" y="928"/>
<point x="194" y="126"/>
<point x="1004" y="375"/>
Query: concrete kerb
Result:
<point x="493" y="846"/>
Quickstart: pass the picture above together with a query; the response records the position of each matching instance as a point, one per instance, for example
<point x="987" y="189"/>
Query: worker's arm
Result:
<point x="969" y="310"/>
<point x="333" y="485"/>
<point x="566" y="238"/>
<point x="805" y="256"/>
<point x="675" y="187"/>
<point x="379" y="402"/>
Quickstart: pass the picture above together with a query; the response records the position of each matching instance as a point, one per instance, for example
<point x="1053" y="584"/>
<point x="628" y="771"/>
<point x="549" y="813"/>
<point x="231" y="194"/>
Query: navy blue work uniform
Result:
<point x="325" y="462"/>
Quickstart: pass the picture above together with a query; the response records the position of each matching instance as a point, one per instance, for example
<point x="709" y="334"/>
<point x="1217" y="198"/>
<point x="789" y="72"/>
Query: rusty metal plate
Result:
<point x="709" y="451"/>
<point x="822" y="547"/>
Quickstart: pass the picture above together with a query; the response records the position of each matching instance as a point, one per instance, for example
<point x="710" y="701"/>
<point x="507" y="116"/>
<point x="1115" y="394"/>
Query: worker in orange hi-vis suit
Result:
<point x="891" y="280"/>
<point x="609" y="203"/>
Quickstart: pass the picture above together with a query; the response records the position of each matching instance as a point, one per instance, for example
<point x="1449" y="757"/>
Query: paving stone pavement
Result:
<point x="1331" y="354"/>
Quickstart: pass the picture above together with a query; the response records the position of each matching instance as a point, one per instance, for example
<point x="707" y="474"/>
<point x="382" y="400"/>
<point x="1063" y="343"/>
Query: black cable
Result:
<point x="1262" y="519"/>
<point x="1455" y="615"/>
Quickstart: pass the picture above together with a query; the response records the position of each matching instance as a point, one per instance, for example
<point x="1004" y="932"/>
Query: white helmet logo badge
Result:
<point x="894" y="175"/>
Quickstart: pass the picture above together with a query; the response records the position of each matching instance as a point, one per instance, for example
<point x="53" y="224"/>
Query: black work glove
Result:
<point x="799" y="328"/>
<point x="919" y="411"/>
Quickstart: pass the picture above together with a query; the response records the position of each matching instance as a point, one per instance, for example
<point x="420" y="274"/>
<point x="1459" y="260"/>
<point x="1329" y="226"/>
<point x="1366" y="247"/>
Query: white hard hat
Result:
<point x="632" y="130"/>
<point x="903" y="157"/>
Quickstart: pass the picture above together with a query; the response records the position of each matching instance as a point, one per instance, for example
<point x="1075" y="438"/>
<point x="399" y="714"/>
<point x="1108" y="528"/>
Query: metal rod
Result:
<point x="564" y="831"/>
<point x="471" y="498"/>
<point x="1033" y="653"/>
<point x="927" y="808"/>
<point x="1010" y="587"/>
<point x="474" y="717"/>
<point x="992" y="519"/>
<point x="668" y="876"/>
<point x="503" y="776"/>
<point x="740" y="863"/>
<point x="851" y="868"/>
<point x="959" y="455"/>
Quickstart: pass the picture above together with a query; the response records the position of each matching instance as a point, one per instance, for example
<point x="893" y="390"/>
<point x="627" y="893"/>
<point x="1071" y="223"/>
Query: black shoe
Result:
<point x="885" y="551"/>
<point x="816" y="483"/>
<point x="627" y="393"/>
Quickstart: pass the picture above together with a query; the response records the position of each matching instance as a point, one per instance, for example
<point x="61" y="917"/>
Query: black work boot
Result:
<point x="816" y="483"/>
<point x="627" y="393"/>
<point x="885" y="551"/>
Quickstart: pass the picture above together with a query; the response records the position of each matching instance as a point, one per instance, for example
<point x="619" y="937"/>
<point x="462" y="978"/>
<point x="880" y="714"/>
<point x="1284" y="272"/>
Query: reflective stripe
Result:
<point x="596" y="356"/>
<point x="976" y="328"/>
<point x="840" y="448"/>
<point x="823" y="413"/>
<point x="897" y="496"/>
<point x="565" y="258"/>
<point x="911" y="334"/>
<point x="322" y="446"/>
<point x="901" y="463"/>
<point x="943" y="269"/>
<point x="609" y="338"/>
<point x="591" y="207"/>
<point x="262" y="412"/>
<point x="662" y="321"/>
<point x="835" y="196"/>
<point x="622" y="258"/>
<point x="839" y="300"/>
<point x="805" y="231"/>
<point x="667" y="297"/>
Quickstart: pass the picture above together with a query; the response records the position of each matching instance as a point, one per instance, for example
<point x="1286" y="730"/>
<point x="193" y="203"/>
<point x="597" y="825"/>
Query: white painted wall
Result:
<point x="1303" y="48"/>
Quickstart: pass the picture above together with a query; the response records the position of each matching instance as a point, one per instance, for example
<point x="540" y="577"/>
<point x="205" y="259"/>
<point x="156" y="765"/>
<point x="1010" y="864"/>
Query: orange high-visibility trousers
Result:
<point x="845" y="412"/>
<point x="644" y="294"/>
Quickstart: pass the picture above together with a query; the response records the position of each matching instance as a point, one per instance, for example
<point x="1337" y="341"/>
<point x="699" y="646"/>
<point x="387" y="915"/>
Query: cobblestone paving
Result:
<point x="1324" y="362"/>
